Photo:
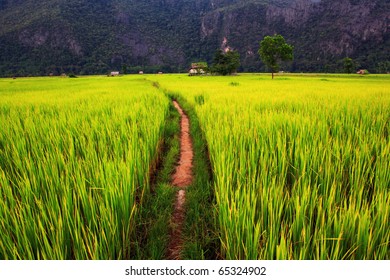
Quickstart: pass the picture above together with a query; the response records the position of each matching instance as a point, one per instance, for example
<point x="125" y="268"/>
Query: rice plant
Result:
<point x="301" y="165"/>
<point x="75" y="160"/>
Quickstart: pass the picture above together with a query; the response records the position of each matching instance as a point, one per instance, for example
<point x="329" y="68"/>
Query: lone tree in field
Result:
<point x="273" y="50"/>
<point x="226" y="63"/>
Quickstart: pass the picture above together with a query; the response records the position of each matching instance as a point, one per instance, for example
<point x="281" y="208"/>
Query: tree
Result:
<point x="383" y="67"/>
<point x="273" y="50"/>
<point x="124" y="69"/>
<point x="226" y="63"/>
<point x="348" y="65"/>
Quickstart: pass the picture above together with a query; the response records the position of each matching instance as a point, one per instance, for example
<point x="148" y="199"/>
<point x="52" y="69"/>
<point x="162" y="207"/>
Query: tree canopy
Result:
<point x="348" y="65"/>
<point x="226" y="63"/>
<point x="273" y="50"/>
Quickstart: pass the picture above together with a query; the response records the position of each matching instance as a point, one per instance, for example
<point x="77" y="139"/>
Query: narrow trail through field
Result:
<point x="181" y="179"/>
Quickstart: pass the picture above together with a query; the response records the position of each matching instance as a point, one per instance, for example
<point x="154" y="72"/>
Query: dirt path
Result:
<point x="181" y="179"/>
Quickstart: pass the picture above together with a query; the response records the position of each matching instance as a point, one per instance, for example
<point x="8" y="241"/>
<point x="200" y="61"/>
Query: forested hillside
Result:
<point x="97" y="36"/>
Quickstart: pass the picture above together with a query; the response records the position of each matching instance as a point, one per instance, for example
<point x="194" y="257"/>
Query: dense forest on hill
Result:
<point x="98" y="36"/>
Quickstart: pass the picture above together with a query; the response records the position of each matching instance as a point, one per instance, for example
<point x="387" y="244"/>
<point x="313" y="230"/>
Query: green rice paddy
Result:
<point x="300" y="164"/>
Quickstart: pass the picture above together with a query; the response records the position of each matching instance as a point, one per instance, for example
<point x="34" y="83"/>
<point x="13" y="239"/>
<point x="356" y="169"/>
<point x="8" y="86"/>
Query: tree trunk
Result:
<point x="272" y="75"/>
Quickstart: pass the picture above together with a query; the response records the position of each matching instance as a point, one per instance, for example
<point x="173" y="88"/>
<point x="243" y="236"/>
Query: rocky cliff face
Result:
<point x="86" y="36"/>
<point x="322" y="31"/>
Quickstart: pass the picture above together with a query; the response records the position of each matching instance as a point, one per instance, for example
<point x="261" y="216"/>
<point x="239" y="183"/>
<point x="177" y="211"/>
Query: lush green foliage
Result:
<point x="384" y="67"/>
<point x="348" y="65"/>
<point x="95" y="37"/>
<point x="155" y="218"/>
<point x="75" y="161"/>
<point x="301" y="165"/>
<point x="273" y="50"/>
<point x="225" y="63"/>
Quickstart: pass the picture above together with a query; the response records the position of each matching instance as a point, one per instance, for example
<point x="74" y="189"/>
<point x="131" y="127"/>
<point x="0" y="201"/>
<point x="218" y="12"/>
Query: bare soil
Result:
<point x="183" y="174"/>
<point x="181" y="179"/>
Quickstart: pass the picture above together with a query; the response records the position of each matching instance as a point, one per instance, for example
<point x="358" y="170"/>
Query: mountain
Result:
<point x="97" y="36"/>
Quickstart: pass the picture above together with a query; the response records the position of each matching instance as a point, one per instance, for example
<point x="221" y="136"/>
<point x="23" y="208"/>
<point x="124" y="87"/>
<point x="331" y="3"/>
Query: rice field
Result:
<point x="75" y="160"/>
<point x="300" y="165"/>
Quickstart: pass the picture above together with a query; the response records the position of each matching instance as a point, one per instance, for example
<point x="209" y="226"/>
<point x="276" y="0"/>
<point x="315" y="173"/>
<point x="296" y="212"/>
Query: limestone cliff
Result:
<point x="96" y="36"/>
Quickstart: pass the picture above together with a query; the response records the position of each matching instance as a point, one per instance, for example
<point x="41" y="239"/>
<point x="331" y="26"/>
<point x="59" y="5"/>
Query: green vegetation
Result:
<point x="225" y="63"/>
<point x="300" y="167"/>
<point x="384" y="67"/>
<point x="274" y="50"/>
<point x="348" y="65"/>
<point x="63" y="36"/>
<point x="157" y="208"/>
<point x="75" y="163"/>
<point x="295" y="168"/>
